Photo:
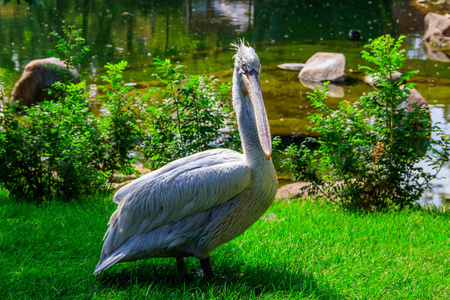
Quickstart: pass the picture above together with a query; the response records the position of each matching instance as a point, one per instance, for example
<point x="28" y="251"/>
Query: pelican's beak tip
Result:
<point x="268" y="155"/>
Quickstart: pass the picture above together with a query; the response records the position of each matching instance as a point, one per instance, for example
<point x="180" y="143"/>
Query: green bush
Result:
<point x="60" y="149"/>
<point x="49" y="151"/>
<point x="369" y="151"/>
<point x="191" y="117"/>
<point x="121" y="124"/>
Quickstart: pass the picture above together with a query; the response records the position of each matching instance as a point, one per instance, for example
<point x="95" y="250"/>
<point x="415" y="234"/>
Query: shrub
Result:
<point x="368" y="151"/>
<point x="121" y="123"/>
<point x="50" y="150"/>
<point x="190" y="117"/>
<point x="60" y="149"/>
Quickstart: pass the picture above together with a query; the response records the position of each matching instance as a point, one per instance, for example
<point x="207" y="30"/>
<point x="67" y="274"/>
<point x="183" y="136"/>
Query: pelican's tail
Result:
<point x="108" y="262"/>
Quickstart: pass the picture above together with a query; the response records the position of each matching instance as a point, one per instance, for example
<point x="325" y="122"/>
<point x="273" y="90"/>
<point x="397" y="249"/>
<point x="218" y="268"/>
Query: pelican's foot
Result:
<point x="206" y="267"/>
<point x="181" y="266"/>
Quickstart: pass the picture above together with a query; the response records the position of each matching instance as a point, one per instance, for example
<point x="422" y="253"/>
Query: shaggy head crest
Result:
<point x="245" y="53"/>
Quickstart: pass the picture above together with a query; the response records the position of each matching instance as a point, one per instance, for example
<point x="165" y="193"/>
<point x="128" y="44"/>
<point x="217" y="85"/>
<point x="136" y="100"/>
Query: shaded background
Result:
<point x="198" y="33"/>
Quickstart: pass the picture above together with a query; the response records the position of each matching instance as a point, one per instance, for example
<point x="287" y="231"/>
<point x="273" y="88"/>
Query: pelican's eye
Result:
<point x="244" y="66"/>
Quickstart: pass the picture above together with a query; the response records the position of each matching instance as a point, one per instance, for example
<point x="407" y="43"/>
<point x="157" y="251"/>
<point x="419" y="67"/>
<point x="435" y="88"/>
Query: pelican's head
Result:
<point x="248" y="69"/>
<point x="246" y="59"/>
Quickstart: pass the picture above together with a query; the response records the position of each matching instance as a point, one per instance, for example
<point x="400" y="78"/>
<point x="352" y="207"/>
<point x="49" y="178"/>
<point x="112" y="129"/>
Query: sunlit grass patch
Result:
<point x="298" y="250"/>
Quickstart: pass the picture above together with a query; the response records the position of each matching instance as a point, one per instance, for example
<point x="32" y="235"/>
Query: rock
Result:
<point x="335" y="90"/>
<point x="142" y="171"/>
<point x="370" y="80"/>
<point x="292" y="191"/>
<point x="437" y="30"/>
<point x="433" y="54"/>
<point x="414" y="99"/>
<point x="119" y="185"/>
<point x="37" y="76"/>
<point x="324" y="66"/>
<point x="291" y="66"/>
<point x="126" y="179"/>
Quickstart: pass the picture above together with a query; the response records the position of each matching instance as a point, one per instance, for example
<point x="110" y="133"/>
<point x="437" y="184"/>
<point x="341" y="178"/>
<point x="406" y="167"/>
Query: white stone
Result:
<point x="324" y="66"/>
<point x="292" y="66"/>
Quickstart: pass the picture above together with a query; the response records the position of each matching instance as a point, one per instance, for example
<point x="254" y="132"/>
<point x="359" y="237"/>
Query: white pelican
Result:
<point x="195" y="204"/>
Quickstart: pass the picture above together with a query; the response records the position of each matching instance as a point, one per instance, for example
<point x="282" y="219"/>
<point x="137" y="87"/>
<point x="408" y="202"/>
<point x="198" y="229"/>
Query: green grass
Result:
<point x="300" y="250"/>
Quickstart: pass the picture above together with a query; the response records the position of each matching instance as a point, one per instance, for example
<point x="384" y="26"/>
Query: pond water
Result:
<point x="198" y="33"/>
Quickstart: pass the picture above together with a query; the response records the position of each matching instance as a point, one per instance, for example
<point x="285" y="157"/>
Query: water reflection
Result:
<point x="415" y="47"/>
<point x="336" y="91"/>
<point x="238" y="13"/>
<point x="132" y="29"/>
<point x="441" y="187"/>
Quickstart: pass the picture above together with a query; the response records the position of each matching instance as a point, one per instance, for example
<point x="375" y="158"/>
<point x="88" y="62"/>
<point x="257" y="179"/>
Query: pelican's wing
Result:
<point x="210" y="157"/>
<point x="181" y="188"/>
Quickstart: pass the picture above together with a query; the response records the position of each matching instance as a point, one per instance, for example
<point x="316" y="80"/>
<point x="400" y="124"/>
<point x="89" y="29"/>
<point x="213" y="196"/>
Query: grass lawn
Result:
<point x="299" y="250"/>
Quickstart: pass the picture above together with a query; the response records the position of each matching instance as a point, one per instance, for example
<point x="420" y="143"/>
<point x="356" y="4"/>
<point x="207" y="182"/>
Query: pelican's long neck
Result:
<point x="247" y="125"/>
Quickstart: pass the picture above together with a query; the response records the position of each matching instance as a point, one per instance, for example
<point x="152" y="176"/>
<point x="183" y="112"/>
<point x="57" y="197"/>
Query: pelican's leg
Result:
<point x="206" y="266"/>
<point x="180" y="264"/>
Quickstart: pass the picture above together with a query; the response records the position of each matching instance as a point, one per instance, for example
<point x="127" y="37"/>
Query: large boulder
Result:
<point x="437" y="30"/>
<point x="39" y="75"/>
<point x="324" y="66"/>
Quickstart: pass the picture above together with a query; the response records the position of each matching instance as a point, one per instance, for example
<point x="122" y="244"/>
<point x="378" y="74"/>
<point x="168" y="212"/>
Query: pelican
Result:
<point x="197" y="203"/>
